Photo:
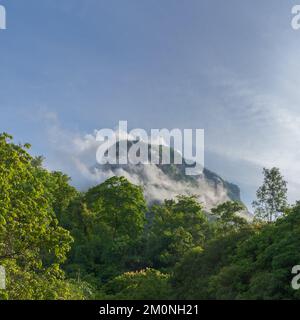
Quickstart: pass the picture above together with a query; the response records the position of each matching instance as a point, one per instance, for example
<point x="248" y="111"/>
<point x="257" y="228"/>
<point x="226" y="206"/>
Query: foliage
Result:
<point x="107" y="224"/>
<point x="57" y="243"/>
<point x="31" y="240"/>
<point x="256" y="265"/>
<point x="271" y="196"/>
<point x="148" y="284"/>
<point x="193" y="274"/>
<point x="177" y="226"/>
<point x="227" y="219"/>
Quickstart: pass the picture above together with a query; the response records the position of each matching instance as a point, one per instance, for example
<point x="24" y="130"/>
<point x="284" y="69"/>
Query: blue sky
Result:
<point x="232" y="67"/>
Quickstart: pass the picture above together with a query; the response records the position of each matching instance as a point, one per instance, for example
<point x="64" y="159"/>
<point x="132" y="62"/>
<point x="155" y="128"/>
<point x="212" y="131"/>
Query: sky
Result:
<point x="232" y="68"/>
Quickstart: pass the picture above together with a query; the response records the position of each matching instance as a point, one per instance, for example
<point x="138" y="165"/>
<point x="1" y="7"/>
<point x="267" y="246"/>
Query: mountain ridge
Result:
<point x="166" y="181"/>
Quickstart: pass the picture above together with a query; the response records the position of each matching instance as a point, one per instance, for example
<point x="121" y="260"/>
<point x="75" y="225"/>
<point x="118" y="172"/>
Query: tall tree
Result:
<point x="271" y="196"/>
<point x="120" y="205"/>
<point x="32" y="244"/>
<point x="107" y="223"/>
<point x="177" y="226"/>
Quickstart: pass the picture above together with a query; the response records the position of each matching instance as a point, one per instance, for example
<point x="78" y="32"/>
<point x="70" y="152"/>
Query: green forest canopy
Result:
<point x="106" y="243"/>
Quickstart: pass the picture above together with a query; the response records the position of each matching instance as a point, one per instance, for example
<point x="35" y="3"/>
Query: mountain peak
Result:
<point x="165" y="181"/>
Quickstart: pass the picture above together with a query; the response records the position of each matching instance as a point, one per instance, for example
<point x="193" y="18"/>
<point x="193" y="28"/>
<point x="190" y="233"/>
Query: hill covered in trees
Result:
<point x="108" y="243"/>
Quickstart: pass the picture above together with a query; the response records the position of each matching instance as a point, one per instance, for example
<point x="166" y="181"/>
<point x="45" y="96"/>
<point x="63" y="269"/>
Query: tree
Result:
<point x="193" y="276"/>
<point x="32" y="244"/>
<point x="271" y="196"/>
<point x="139" y="285"/>
<point x="177" y="226"/>
<point x="107" y="223"/>
<point x="227" y="218"/>
<point x="261" y="267"/>
<point x="120" y="205"/>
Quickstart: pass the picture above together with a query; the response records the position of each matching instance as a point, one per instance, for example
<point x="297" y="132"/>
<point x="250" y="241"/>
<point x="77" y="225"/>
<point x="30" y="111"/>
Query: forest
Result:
<point x="107" y="243"/>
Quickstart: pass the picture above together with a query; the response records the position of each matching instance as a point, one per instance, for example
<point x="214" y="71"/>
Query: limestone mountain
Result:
<point x="166" y="181"/>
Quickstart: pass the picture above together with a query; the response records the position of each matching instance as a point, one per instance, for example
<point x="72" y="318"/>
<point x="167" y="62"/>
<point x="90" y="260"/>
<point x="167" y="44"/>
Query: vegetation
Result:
<point x="271" y="196"/>
<point x="58" y="243"/>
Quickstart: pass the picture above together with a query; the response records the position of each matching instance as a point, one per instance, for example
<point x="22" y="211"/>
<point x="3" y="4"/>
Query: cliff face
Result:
<point x="161" y="181"/>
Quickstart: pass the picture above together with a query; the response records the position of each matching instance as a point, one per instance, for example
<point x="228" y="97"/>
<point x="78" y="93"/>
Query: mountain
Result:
<point x="161" y="181"/>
